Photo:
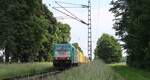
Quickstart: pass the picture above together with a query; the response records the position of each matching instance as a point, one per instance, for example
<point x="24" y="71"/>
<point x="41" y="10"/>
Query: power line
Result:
<point x="71" y="14"/>
<point x="67" y="11"/>
<point x="81" y="5"/>
<point x="62" y="17"/>
<point x="74" y="7"/>
<point x="70" y="3"/>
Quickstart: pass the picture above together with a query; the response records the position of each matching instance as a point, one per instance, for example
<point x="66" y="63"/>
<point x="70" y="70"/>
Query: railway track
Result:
<point x="41" y="76"/>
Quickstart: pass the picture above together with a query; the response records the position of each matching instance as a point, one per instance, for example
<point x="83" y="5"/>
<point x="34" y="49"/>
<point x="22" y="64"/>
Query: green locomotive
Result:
<point x="64" y="55"/>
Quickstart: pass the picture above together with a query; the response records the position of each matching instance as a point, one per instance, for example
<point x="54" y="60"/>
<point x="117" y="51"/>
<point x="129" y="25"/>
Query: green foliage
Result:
<point x="76" y="45"/>
<point x="62" y="34"/>
<point x="28" y="30"/>
<point x="47" y="39"/>
<point x="108" y="49"/>
<point x="129" y="73"/>
<point x="22" y="29"/>
<point x="132" y="25"/>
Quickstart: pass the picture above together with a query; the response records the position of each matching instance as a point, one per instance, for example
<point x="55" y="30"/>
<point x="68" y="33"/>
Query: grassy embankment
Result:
<point x="129" y="73"/>
<point x="15" y="70"/>
<point x="96" y="70"/>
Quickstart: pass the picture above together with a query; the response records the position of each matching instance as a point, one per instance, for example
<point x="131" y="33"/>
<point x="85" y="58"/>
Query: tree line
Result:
<point x="132" y="25"/>
<point x="28" y="29"/>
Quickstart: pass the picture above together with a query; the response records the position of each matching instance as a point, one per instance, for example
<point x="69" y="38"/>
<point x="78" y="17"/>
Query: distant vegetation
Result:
<point x="108" y="49"/>
<point x="18" y="70"/>
<point x="96" y="70"/>
<point x="132" y="25"/>
<point x="76" y="45"/>
<point x="28" y="30"/>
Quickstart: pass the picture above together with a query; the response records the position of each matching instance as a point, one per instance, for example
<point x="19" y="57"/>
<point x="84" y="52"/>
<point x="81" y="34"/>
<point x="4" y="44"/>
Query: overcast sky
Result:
<point x="101" y="20"/>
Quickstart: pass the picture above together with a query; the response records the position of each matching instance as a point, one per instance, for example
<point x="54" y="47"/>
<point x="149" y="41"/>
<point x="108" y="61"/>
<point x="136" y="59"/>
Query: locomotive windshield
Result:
<point x="62" y="51"/>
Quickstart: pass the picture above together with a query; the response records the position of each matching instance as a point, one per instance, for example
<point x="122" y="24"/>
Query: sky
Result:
<point x="102" y="20"/>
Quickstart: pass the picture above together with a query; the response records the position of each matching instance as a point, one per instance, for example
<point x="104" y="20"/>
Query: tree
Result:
<point x="22" y="28"/>
<point x="28" y="29"/>
<point x="62" y="34"/>
<point x="76" y="45"/>
<point x="48" y="38"/>
<point x="132" y="25"/>
<point x="108" y="49"/>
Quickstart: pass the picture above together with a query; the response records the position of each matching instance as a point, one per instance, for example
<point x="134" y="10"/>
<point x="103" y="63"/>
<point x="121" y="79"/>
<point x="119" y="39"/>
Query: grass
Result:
<point x="131" y="73"/>
<point x="15" y="70"/>
<point x="96" y="70"/>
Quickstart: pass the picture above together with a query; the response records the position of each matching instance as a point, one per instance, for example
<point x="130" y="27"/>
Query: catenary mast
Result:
<point x="89" y="31"/>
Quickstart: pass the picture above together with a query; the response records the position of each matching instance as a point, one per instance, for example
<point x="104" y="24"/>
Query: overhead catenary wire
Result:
<point x="81" y="5"/>
<point x="75" y="5"/>
<point x="64" y="13"/>
<point x="67" y="10"/>
<point x="62" y="17"/>
<point x="71" y="7"/>
<point x="71" y="3"/>
<point x="71" y="14"/>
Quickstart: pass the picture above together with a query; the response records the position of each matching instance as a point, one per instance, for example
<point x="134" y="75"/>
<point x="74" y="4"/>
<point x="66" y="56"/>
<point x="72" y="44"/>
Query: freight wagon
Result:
<point x="65" y="55"/>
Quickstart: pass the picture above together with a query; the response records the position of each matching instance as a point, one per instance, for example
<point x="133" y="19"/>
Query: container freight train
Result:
<point x="66" y="55"/>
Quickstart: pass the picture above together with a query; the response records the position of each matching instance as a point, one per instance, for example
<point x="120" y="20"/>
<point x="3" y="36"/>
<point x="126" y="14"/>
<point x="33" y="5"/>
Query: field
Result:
<point x="131" y="73"/>
<point x="14" y="70"/>
<point x="96" y="70"/>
